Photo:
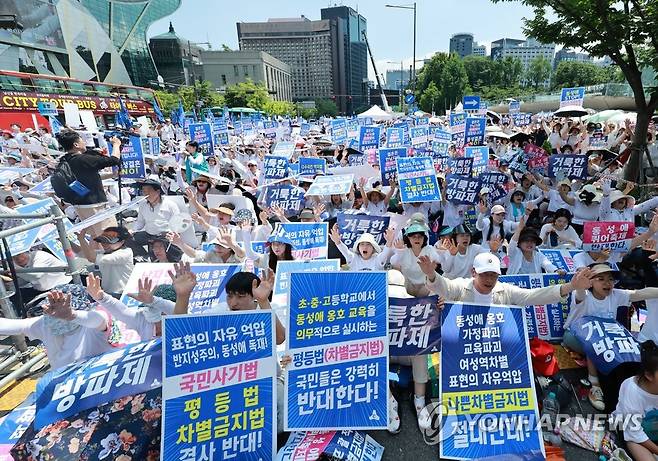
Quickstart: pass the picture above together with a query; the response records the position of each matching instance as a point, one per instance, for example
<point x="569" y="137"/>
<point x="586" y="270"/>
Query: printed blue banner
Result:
<point x="337" y="446"/>
<point x="572" y="96"/>
<point x="352" y="226"/>
<point x="339" y="184"/>
<point x="605" y="342"/>
<point x="547" y="321"/>
<point x="304" y="129"/>
<point x="419" y="137"/>
<point x="461" y="166"/>
<point x="352" y="129"/>
<point x="23" y="241"/>
<point x="202" y="133"/>
<point x="405" y="129"/>
<point x="388" y="165"/>
<point x="417" y="180"/>
<point x="132" y="159"/>
<point x="441" y="142"/>
<point x="471" y="102"/>
<point x="394" y="137"/>
<point x="86" y="384"/>
<point x="414" y="326"/>
<point x="238" y="128"/>
<point x="457" y="122"/>
<point x="522" y="118"/>
<point x="480" y="156"/>
<point x="337" y="336"/>
<point x="219" y="387"/>
<point x="275" y="168"/>
<point x="14" y="425"/>
<point x="285" y="268"/>
<point x="365" y="121"/>
<point x="567" y="166"/>
<point x="339" y="131"/>
<point x="423" y="121"/>
<point x="208" y="294"/>
<point x="513" y="107"/>
<point x="462" y="189"/>
<point x="497" y="185"/>
<point x="310" y="166"/>
<point x="288" y="197"/>
<point x="562" y="259"/>
<point x="151" y="146"/>
<point x="486" y="382"/>
<point x="474" y="130"/>
<point x="269" y="129"/>
<point x="284" y="149"/>
<point x="309" y="239"/>
<point x="598" y="141"/>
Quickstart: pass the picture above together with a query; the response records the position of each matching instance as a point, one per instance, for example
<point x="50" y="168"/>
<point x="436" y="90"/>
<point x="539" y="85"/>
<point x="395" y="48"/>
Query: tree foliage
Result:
<point x="572" y="74"/>
<point x="326" y="108"/>
<point x="247" y="94"/>
<point x="441" y="83"/>
<point x="539" y="71"/>
<point x="205" y="94"/>
<point x="625" y="31"/>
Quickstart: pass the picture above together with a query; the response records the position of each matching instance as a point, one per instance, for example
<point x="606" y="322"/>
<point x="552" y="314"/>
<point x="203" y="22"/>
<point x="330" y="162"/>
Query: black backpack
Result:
<point x="60" y="180"/>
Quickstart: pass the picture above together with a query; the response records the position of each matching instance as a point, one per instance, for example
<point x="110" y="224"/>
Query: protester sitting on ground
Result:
<point x="495" y="225"/>
<point x="619" y="206"/>
<point x="67" y="325"/>
<point x="278" y="248"/>
<point x="112" y="256"/>
<point x="457" y="251"/>
<point x="161" y="250"/>
<point x="223" y="249"/>
<point x="367" y="255"/>
<point x="554" y="197"/>
<point x="559" y="233"/>
<point x="586" y="205"/>
<point x="36" y="283"/>
<point x="87" y="193"/>
<point x="524" y="257"/>
<point x="599" y="299"/>
<point x="154" y="214"/>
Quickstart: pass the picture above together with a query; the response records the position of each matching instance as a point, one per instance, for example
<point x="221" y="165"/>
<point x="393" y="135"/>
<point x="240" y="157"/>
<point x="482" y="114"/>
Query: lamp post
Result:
<point x="410" y="7"/>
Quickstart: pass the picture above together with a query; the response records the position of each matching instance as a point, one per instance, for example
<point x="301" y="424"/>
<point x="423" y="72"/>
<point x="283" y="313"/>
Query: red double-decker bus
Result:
<point x="20" y="94"/>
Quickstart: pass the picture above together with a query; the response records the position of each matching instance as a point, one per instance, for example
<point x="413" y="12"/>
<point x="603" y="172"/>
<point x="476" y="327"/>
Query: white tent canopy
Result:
<point x="376" y="113"/>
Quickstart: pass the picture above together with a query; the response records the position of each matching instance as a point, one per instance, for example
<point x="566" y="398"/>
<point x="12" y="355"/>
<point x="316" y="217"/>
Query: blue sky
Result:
<point x="390" y="31"/>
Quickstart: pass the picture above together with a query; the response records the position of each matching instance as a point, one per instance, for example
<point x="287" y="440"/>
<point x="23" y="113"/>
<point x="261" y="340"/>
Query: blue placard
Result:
<point x="338" y="329"/>
<point x="23" y="241"/>
<point x="522" y="119"/>
<point x="46" y="108"/>
<point x="572" y="96"/>
<point x="219" y="387"/>
<point x="86" y="384"/>
<point x="414" y="326"/>
<point x="562" y="259"/>
<point x="14" y="425"/>
<point x="441" y="142"/>
<point x="513" y="107"/>
<point x="462" y="190"/>
<point x="387" y="163"/>
<point x="567" y="166"/>
<point x="461" y="166"/>
<point x="275" y="168"/>
<point x="486" y="382"/>
<point x="352" y="129"/>
<point x="457" y="122"/>
<point x="480" y="156"/>
<point x="309" y="239"/>
<point x="474" y="130"/>
<point x="202" y="133"/>
<point x="285" y="268"/>
<point x="394" y="137"/>
<point x="339" y="184"/>
<point x="132" y="159"/>
<point x="471" y="102"/>
<point x="352" y="226"/>
<point x="304" y="129"/>
<point x="497" y="185"/>
<point x="547" y="321"/>
<point x="269" y="129"/>
<point x="339" y="131"/>
<point x="335" y="445"/>
<point x="423" y="121"/>
<point x="417" y="180"/>
<point x="284" y="149"/>
<point x="365" y="121"/>
<point x="369" y="137"/>
<point x="310" y="166"/>
<point x="289" y="198"/>
<point x="605" y="342"/>
<point x="419" y="137"/>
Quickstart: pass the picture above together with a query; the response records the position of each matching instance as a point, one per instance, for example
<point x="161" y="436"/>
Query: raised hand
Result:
<point x="145" y="291"/>
<point x="59" y="306"/>
<point x="495" y="243"/>
<point x="582" y="280"/>
<point x="174" y="237"/>
<point x="335" y="234"/>
<point x="653" y="225"/>
<point x="262" y="292"/>
<point x="649" y="245"/>
<point x="426" y="265"/>
<point x="94" y="287"/>
<point x="318" y="210"/>
<point x="183" y="279"/>
<point x="389" y="236"/>
<point x="399" y="244"/>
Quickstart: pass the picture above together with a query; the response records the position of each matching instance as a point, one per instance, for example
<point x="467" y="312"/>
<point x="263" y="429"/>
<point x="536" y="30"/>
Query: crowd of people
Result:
<point x="210" y="208"/>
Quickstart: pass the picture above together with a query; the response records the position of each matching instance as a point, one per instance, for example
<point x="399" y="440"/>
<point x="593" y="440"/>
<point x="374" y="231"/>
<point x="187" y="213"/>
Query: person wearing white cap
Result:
<point x="367" y="255"/>
<point x="619" y="206"/>
<point x="586" y="205"/>
<point x="484" y="288"/>
<point x="495" y="226"/>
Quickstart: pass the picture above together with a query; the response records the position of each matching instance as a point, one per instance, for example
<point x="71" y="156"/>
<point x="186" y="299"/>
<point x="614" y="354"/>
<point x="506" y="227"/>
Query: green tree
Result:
<point x="280" y="108"/>
<point x="247" y="94"/>
<point x="454" y="81"/>
<point x="430" y="98"/>
<point x="507" y="71"/>
<point x="625" y="31"/>
<point x="326" y="107"/>
<point x="574" y="73"/>
<point x="538" y="71"/>
<point x="480" y="71"/>
<point x="200" y="95"/>
<point x="225" y="47"/>
<point x="308" y="113"/>
<point x="168" y="101"/>
<point x="448" y="76"/>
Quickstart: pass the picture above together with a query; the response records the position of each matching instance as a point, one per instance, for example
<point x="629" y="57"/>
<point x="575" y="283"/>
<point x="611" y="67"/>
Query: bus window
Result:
<point x="132" y="93"/>
<point x="103" y="91"/>
<point x="49" y="86"/>
<point x="146" y="96"/>
<point x="9" y="82"/>
<point x="79" y="88"/>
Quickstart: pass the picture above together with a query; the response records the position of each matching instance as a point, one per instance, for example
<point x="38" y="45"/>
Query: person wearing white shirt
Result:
<point x="555" y="201"/>
<point x="167" y="131"/>
<point x="559" y="233"/>
<point x="524" y="258"/>
<point x="457" y="252"/>
<point x="113" y="258"/>
<point x="153" y="214"/>
<point x="586" y="205"/>
<point x="618" y="206"/>
<point x="41" y="281"/>
<point x="367" y="255"/>
<point x="375" y="201"/>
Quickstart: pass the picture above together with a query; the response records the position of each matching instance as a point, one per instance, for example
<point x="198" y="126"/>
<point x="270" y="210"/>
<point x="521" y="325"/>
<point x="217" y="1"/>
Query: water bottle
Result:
<point x="551" y="407"/>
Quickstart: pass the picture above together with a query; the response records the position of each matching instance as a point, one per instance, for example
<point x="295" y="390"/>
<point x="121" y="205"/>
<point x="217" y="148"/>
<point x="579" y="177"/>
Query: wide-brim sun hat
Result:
<point x="603" y="268"/>
<point x="531" y="235"/>
<point x="280" y="239"/>
<point x="417" y="225"/>
<point x="618" y="195"/>
<point x="367" y="237"/>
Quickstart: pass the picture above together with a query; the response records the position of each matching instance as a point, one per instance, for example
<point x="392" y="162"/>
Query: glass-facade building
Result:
<point x="98" y="40"/>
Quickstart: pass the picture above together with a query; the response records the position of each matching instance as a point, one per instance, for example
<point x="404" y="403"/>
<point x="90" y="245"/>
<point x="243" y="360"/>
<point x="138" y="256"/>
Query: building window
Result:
<point x="245" y="69"/>
<point x="223" y="79"/>
<point x="236" y="71"/>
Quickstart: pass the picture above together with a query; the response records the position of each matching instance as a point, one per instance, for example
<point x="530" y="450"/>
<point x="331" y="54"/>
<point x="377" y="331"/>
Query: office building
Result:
<point x="350" y="57"/>
<point x="566" y="54"/>
<point x="305" y="45"/>
<point x="226" y="68"/>
<point x="527" y="51"/>
<point x="101" y="40"/>
<point x="396" y="79"/>
<point x="498" y="46"/>
<point x="462" y="44"/>
<point x="479" y="50"/>
<point x="175" y="58"/>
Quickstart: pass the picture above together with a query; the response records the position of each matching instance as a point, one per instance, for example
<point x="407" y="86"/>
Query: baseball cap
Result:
<point x="543" y="357"/>
<point x="486" y="262"/>
<point x="498" y="209"/>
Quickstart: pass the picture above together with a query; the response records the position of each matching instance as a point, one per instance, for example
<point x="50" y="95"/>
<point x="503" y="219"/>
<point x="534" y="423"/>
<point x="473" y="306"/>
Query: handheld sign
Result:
<point x="369" y="137"/>
<point x="219" y="370"/>
<point x="309" y="239"/>
<point x="441" y="142"/>
<point x="202" y="133"/>
<point x="572" y="96"/>
<point x="330" y="185"/>
<point x="562" y="259"/>
<point x="310" y="166"/>
<point x="474" y="130"/>
<point x="14" y="425"/>
<point x="570" y="166"/>
<point x="497" y="185"/>
<point x="352" y="226"/>
<point x="514" y="107"/>
<point x="417" y="180"/>
<point x="394" y="137"/>
<point x="462" y="190"/>
<point x="334" y="445"/>
<point x="339" y="131"/>
<point x="338" y="330"/>
<point x="486" y="384"/>
<point x="607" y="235"/>
<point x="284" y="149"/>
<point x="461" y="166"/>
<point x="605" y="342"/>
<point x="285" y="268"/>
<point x="414" y="326"/>
<point x="132" y="159"/>
<point x="388" y="165"/>
<point x="419" y="137"/>
<point x="275" y="168"/>
<point x="598" y="141"/>
<point x="480" y="156"/>
<point x="285" y="196"/>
